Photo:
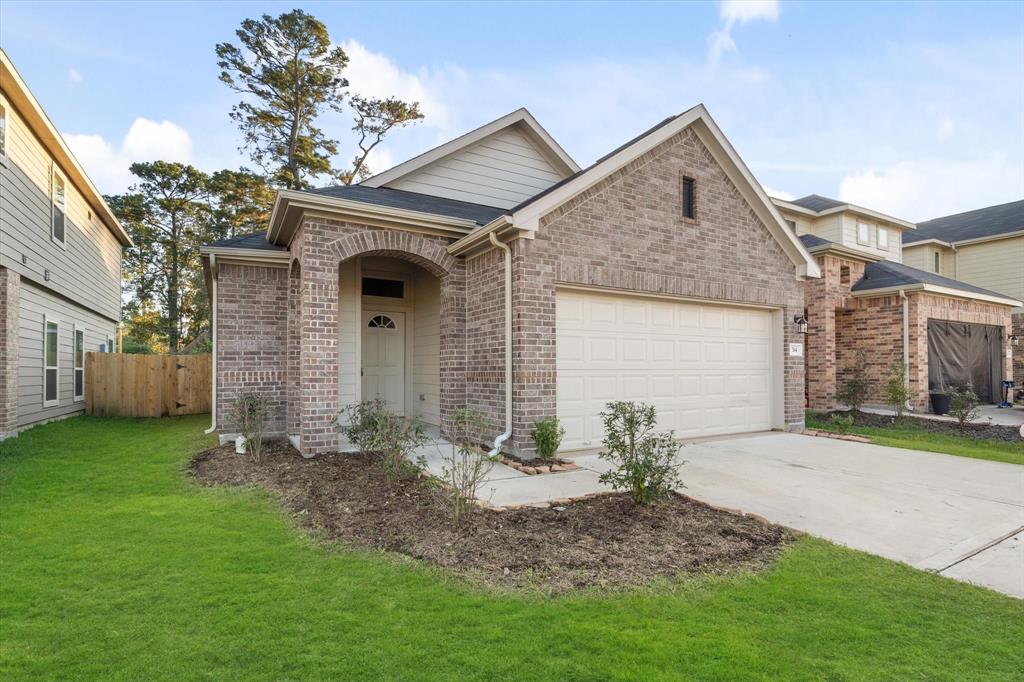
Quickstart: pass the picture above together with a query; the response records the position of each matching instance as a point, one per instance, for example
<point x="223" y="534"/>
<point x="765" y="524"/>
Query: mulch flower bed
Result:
<point x="603" y="541"/>
<point x="1010" y="434"/>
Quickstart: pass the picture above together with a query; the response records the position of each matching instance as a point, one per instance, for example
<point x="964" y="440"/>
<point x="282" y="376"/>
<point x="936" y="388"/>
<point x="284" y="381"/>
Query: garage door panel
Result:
<point x="706" y="369"/>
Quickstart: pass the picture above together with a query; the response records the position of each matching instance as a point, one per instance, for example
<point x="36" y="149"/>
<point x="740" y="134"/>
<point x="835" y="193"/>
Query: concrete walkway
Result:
<point x="960" y="517"/>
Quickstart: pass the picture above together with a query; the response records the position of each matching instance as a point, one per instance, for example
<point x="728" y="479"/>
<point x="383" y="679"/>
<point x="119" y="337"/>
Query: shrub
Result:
<point x="646" y="463"/>
<point x="897" y="393"/>
<point x="396" y="439"/>
<point x="467" y="466"/>
<point x="963" y="405"/>
<point x="358" y="422"/>
<point x="854" y="390"/>
<point x="249" y="414"/>
<point x="547" y="436"/>
<point x="841" y="422"/>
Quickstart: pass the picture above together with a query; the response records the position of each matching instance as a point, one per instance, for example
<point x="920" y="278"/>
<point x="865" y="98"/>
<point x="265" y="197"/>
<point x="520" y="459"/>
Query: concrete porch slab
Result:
<point x="987" y="414"/>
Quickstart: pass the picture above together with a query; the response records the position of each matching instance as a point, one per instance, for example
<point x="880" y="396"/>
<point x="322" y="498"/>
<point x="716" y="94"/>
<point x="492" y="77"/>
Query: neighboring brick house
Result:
<point x="60" y="265"/>
<point x="660" y="273"/>
<point x="869" y="306"/>
<point x="983" y="247"/>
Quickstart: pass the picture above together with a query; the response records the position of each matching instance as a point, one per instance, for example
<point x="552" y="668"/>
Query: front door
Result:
<point x="384" y="359"/>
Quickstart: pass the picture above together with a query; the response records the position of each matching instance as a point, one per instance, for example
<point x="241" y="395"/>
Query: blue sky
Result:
<point x="916" y="109"/>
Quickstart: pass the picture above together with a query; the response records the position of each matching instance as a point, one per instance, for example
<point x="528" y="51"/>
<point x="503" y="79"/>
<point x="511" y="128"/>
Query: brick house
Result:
<point x="492" y="272"/>
<point x="869" y="305"/>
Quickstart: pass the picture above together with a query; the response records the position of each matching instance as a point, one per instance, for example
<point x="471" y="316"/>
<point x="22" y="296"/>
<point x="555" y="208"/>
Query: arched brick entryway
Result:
<point x="319" y="332"/>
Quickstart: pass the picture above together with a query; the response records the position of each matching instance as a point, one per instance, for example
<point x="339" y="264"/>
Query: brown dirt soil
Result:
<point x="1009" y="434"/>
<point x="603" y="541"/>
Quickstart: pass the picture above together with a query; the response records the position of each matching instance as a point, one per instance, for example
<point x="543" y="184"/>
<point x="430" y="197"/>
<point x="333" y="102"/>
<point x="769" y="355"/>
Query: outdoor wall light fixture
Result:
<point x="801" y="324"/>
<point x="1014" y="339"/>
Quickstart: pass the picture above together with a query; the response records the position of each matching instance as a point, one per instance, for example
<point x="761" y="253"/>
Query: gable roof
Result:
<point x="891" y="276"/>
<point x="413" y="201"/>
<point x="991" y="221"/>
<point x="526" y="216"/>
<point x="22" y="99"/>
<point x="817" y="206"/>
<point x="817" y="203"/>
<point x="520" y="118"/>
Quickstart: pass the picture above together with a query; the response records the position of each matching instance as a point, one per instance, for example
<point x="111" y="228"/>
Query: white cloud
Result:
<point x="733" y="12"/>
<point x="778" y="193"/>
<point x="145" y="140"/>
<point x="742" y="11"/>
<point x="75" y="76"/>
<point x="372" y="74"/>
<point x="928" y="188"/>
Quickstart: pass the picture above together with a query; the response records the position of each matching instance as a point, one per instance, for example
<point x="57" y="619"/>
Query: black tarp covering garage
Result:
<point x="961" y="354"/>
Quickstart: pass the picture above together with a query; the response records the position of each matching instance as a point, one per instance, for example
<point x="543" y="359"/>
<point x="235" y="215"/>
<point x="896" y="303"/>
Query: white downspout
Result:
<point x="906" y="345"/>
<point x="508" y="345"/>
<point x="213" y="341"/>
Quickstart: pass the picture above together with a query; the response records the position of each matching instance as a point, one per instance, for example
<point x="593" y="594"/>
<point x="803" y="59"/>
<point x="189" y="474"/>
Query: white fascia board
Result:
<point x="520" y="116"/>
<point x="868" y="213"/>
<point x="925" y="242"/>
<point x="940" y="291"/>
<point x="529" y="217"/>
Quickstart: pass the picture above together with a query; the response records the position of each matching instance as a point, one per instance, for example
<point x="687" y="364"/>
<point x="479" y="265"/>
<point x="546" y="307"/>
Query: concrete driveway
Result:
<point x="960" y="517"/>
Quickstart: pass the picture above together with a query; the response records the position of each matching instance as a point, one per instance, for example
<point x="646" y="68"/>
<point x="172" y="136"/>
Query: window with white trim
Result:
<point x="58" y="210"/>
<point x="883" y="238"/>
<point x="110" y="344"/>
<point x="863" y="234"/>
<point x="79" y="363"/>
<point x="51" y="336"/>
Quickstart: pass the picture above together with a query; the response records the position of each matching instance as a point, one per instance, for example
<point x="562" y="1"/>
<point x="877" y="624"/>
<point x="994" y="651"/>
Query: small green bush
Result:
<point x="547" y="436"/>
<point x="249" y="414"/>
<point x="467" y="466"/>
<point x="853" y="392"/>
<point x="646" y="463"/>
<point x="963" y="405"/>
<point x="897" y="392"/>
<point x="358" y="422"/>
<point x="841" y="422"/>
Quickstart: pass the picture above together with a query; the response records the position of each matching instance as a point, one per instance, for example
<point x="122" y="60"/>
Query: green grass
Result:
<point x="114" y="566"/>
<point x="913" y="437"/>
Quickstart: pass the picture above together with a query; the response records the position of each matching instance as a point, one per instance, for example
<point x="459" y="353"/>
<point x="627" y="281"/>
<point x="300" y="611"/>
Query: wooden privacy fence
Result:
<point x="124" y="385"/>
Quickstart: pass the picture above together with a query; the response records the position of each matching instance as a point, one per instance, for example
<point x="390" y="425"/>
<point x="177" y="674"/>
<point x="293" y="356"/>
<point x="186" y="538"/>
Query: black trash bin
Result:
<point x="940" y="403"/>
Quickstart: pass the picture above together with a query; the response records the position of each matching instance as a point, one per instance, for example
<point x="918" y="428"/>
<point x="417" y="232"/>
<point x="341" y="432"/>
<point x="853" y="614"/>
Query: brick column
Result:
<point x="793" y="367"/>
<point x="10" y="288"/>
<point x="534" y="366"/>
<point x="1018" y="353"/>
<point x="319" y="359"/>
<point x="453" y="343"/>
<point x="821" y="347"/>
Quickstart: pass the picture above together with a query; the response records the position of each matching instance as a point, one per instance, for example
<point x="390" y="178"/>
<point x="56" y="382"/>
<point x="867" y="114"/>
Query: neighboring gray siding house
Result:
<point x="492" y="272"/>
<point x="60" y="265"/>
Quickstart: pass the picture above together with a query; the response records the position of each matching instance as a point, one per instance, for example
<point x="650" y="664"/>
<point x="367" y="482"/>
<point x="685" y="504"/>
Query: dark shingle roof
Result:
<point x="413" y="201"/>
<point x="976" y="224"/>
<point x="256" y="240"/>
<point x="885" y="274"/>
<point x="816" y="202"/>
<point x="812" y="240"/>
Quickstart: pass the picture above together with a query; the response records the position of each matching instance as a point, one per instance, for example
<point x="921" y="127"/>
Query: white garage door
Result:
<point x="706" y="368"/>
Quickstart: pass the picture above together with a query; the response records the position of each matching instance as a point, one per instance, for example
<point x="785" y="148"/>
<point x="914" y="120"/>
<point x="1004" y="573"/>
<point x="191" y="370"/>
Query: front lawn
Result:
<point x="113" y="564"/>
<point x="910" y="434"/>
